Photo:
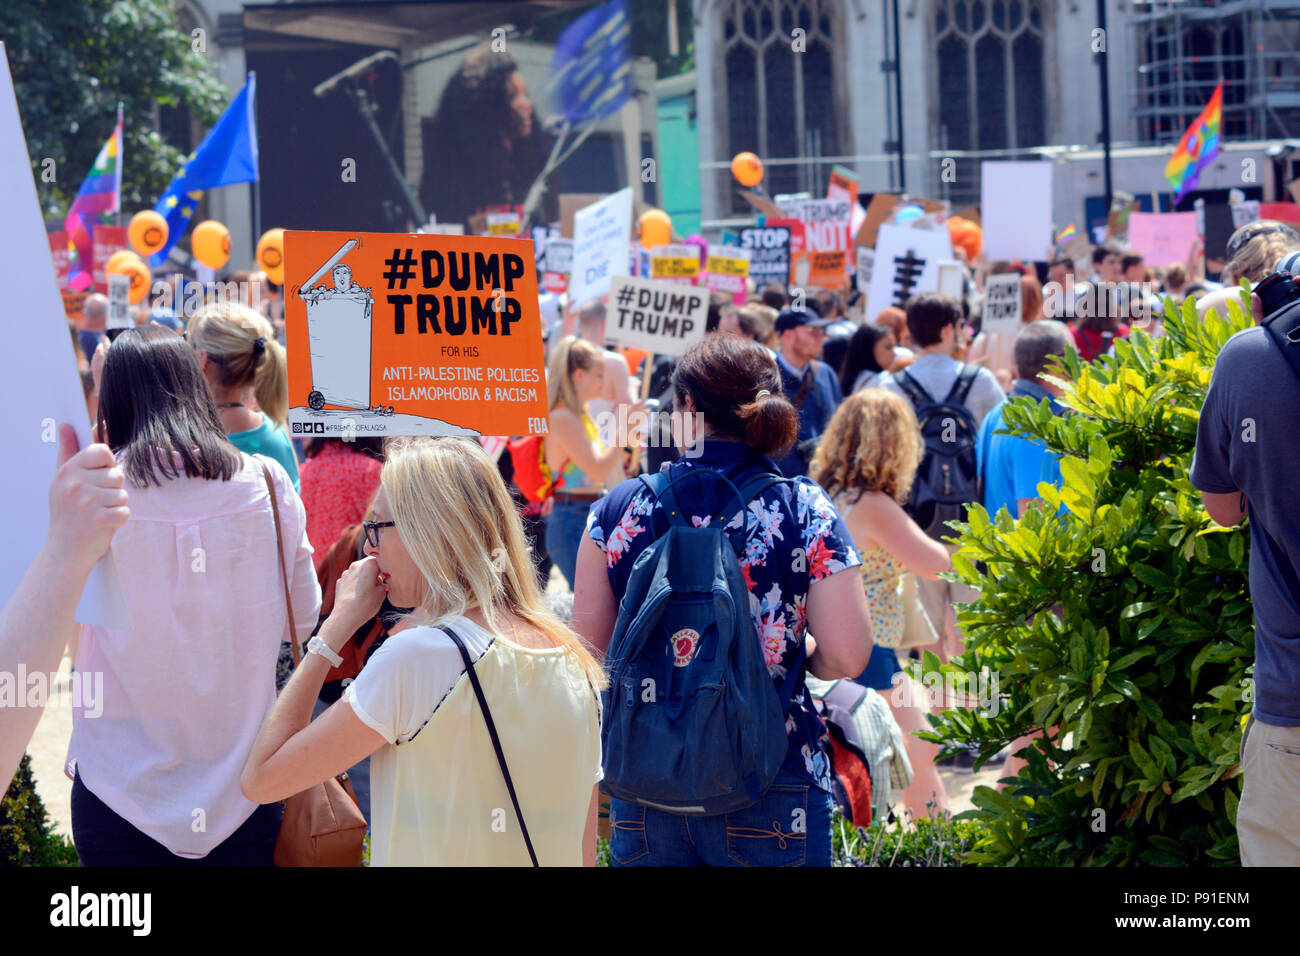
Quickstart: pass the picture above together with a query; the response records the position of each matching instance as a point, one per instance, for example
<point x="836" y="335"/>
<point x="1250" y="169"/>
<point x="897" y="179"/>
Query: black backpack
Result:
<point x="948" y="477"/>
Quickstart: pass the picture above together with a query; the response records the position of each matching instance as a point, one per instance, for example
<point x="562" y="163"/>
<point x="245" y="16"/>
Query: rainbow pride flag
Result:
<point x="1197" y="148"/>
<point x="99" y="195"/>
<point x="1067" y="236"/>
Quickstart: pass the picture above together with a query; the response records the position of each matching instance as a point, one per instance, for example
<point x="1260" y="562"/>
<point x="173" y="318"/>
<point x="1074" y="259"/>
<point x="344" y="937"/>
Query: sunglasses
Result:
<point x="372" y="530"/>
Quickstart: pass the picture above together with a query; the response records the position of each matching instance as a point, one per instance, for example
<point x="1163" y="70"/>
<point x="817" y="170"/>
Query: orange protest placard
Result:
<point x="396" y="334"/>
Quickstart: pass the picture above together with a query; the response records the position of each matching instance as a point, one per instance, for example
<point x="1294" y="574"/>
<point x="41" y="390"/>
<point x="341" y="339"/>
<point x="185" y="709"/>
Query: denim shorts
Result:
<point x="564" y="528"/>
<point x="789" y="826"/>
<point x="881" y="668"/>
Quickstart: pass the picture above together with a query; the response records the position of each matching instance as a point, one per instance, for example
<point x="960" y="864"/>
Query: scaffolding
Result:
<point x="1184" y="47"/>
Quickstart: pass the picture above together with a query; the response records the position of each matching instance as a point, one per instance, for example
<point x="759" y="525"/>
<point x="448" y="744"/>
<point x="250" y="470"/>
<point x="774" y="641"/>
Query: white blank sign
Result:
<point x="43" y="389"/>
<point x="1016" y="210"/>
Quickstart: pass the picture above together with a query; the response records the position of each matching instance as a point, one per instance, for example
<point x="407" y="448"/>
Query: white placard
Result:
<point x="907" y="262"/>
<point x="1244" y="212"/>
<point x="662" y="317"/>
<point x="866" y="259"/>
<point x="601" y="236"/>
<point x="950" y="278"/>
<point x="119" y="302"/>
<point x="43" y="389"/>
<point x="1002" y="304"/>
<point x="1016" y="210"/>
<point x="559" y="256"/>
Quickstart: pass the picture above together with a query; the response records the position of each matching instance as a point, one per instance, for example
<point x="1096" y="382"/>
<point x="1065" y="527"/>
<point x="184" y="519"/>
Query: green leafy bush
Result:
<point x="929" y="842"/>
<point x="27" y="837"/>
<point x="1120" y="624"/>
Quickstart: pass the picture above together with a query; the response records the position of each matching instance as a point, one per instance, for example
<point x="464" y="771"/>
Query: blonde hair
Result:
<point x="873" y="443"/>
<point x="228" y="332"/>
<point x="460" y="527"/>
<point x="1259" y="256"/>
<point x="571" y="353"/>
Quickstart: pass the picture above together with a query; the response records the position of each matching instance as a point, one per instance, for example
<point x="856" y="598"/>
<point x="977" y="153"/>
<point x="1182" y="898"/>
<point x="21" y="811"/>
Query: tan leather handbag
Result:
<point x="322" y="826"/>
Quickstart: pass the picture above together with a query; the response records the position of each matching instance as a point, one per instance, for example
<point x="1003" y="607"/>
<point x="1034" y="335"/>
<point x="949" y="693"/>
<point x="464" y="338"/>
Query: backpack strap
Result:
<point x="492" y="732"/>
<point x="1288" y="339"/>
<point x="961" y="387"/>
<point x="748" y="492"/>
<point x="913" y="389"/>
<point x="805" y="385"/>
<point x="658" y="484"/>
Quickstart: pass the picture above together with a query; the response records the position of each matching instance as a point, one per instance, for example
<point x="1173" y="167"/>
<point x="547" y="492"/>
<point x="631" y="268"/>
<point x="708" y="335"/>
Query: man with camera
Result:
<point x="1245" y="464"/>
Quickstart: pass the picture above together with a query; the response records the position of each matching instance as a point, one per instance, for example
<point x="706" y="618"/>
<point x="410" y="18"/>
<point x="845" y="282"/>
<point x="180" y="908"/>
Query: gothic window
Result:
<point x="782" y="81"/>
<point x="989" y="55"/>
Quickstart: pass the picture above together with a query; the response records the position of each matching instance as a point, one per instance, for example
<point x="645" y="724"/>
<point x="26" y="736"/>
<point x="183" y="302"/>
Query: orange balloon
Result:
<point x="656" y="228"/>
<point x="967" y="235"/>
<point x="211" y="243"/>
<point x="115" y="261"/>
<point x="147" y="232"/>
<point x="140" y="278"/>
<point x="270" y="255"/>
<point x="747" y="168"/>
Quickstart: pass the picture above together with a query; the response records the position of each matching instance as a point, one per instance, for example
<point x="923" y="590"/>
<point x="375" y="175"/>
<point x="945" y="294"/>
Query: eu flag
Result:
<point x="591" y="71"/>
<point x="228" y="155"/>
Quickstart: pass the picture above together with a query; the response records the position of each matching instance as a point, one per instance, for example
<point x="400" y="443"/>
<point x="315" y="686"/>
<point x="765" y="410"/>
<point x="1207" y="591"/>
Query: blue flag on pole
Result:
<point x="591" y="70"/>
<point x="228" y="155"/>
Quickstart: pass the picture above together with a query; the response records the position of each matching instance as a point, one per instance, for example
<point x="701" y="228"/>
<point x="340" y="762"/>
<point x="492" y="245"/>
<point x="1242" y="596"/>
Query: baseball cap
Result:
<point x="793" y="318"/>
<point x="166" y="318"/>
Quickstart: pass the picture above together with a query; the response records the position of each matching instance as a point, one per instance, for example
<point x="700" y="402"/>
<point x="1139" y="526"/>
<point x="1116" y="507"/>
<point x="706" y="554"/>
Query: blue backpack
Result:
<point x="692" y="722"/>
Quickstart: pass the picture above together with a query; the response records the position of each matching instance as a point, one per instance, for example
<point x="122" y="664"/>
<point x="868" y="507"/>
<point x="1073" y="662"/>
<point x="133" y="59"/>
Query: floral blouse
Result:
<point x="798" y="538"/>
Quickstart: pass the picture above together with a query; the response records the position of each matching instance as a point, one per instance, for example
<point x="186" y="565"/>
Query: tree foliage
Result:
<point x="1118" y="620"/>
<point x="73" y="60"/>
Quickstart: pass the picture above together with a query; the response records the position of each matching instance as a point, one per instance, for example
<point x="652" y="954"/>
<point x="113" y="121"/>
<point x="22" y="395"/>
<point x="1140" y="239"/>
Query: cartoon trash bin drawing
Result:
<point x="338" y="334"/>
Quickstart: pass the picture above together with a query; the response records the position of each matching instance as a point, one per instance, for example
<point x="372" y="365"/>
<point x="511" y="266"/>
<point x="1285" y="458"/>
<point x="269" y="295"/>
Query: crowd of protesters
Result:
<point x="416" y="563"/>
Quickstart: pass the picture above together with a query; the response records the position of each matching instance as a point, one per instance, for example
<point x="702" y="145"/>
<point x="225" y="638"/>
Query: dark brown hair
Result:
<point x="153" y="398"/>
<point x="774" y="295"/>
<point x="723" y="374"/>
<point x="928" y="314"/>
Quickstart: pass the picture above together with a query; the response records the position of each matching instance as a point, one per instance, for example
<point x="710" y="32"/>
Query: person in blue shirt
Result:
<point x="1245" y="464"/>
<point x="1011" y="466"/>
<point x="810" y="385"/>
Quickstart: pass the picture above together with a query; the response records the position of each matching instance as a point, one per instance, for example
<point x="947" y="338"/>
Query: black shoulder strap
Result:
<point x="805" y="386"/>
<point x="1288" y="340"/>
<point x="492" y="732"/>
<point x="962" y="386"/>
<point x="912" y="387"/>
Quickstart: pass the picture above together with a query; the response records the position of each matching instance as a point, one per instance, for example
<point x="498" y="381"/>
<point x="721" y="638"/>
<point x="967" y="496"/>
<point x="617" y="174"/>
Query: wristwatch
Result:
<point x="317" y="646"/>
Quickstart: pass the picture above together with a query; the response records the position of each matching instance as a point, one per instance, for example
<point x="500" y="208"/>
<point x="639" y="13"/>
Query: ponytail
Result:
<point x="243" y="346"/>
<point x="271" y="383"/>
<point x="735" y="384"/>
<point x="771" y="424"/>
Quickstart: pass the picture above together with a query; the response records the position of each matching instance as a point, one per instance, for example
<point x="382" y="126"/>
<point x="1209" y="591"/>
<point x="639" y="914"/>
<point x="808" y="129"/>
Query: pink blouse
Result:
<point x="187" y="687"/>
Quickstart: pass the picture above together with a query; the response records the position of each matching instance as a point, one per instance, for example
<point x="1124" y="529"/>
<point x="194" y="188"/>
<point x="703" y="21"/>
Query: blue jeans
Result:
<point x="564" y="527"/>
<point x="790" y="826"/>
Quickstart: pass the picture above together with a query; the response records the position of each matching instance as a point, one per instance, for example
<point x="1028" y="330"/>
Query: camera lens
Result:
<point x="1277" y="292"/>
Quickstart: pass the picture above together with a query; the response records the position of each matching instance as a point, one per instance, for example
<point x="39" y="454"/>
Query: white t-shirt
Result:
<point x="937" y="373"/>
<point x="437" y="794"/>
